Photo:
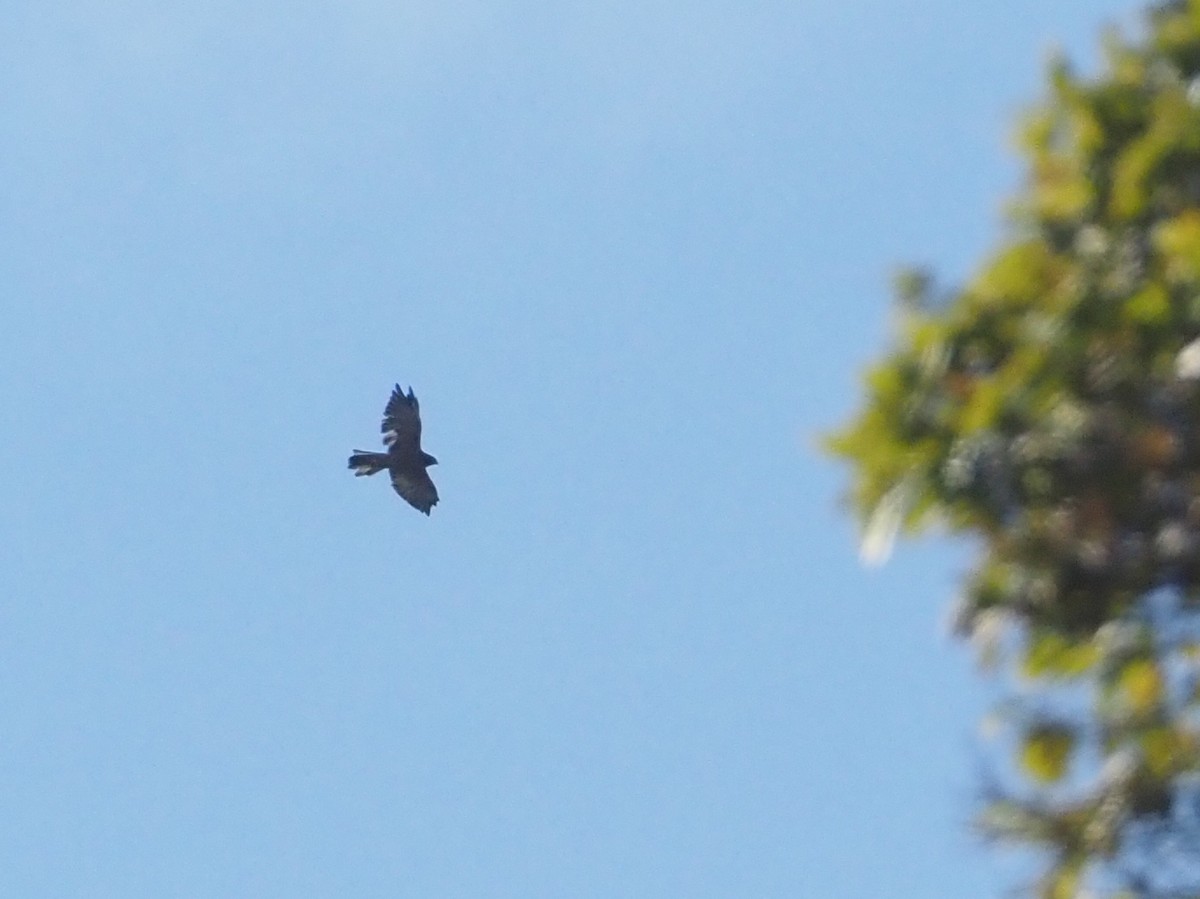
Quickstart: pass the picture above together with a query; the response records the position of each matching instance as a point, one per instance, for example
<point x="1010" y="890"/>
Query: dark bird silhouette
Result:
<point x="405" y="460"/>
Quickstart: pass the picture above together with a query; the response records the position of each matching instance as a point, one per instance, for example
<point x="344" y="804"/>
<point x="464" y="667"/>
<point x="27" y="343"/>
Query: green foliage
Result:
<point x="1047" y="751"/>
<point x="1050" y="406"/>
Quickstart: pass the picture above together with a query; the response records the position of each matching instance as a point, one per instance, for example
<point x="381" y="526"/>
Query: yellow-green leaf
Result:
<point x="1178" y="239"/>
<point x="1160" y="748"/>
<point x="1149" y="306"/>
<point x="1050" y="654"/>
<point x="1047" y="752"/>
<point x="1141" y="685"/>
<point x="1062" y="882"/>
<point x="1063" y="198"/>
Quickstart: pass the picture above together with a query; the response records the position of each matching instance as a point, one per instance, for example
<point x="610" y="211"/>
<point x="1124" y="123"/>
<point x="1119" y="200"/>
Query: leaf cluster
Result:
<point x="1051" y="407"/>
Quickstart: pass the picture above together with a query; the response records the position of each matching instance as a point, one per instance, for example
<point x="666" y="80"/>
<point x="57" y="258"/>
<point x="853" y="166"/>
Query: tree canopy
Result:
<point x="1050" y="408"/>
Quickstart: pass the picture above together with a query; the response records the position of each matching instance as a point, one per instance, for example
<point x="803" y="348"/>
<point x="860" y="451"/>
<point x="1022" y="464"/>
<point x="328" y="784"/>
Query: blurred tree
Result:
<point x="1051" y="408"/>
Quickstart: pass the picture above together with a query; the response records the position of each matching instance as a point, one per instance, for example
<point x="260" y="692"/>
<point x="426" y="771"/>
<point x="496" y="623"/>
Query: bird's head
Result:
<point x="428" y="459"/>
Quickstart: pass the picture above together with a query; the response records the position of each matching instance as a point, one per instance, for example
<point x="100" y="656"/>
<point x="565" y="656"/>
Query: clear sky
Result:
<point x="631" y="256"/>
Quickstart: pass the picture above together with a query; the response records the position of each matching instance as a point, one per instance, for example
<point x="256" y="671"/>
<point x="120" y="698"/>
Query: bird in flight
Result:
<point x="404" y="460"/>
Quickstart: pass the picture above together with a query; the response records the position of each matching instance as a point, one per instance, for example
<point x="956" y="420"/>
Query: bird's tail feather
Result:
<point x="367" y="463"/>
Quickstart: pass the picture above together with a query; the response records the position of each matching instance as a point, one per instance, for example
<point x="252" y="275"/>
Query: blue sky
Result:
<point x="631" y="256"/>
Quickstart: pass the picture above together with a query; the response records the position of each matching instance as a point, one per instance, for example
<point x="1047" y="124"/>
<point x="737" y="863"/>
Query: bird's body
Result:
<point x="404" y="460"/>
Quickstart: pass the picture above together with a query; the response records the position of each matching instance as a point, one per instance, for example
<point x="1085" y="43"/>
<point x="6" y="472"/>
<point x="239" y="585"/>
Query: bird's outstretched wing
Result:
<point x="401" y="426"/>
<point x="413" y="483"/>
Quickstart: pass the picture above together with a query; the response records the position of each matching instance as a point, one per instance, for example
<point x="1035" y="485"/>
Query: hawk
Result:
<point x="405" y="460"/>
